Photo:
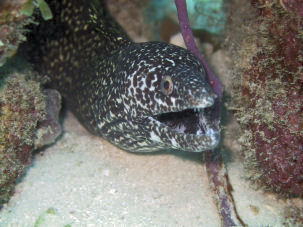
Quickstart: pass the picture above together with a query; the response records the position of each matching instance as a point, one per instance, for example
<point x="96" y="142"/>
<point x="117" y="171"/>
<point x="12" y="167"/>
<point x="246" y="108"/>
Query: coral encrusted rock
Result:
<point x="266" y="40"/>
<point x="22" y="106"/>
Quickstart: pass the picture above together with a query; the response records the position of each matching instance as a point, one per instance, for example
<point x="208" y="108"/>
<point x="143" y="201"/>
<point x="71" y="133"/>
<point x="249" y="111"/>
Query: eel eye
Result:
<point x="167" y="85"/>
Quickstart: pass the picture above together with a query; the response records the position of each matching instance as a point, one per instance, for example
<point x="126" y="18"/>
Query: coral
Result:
<point x="21" y="107"/>
<point x="293" y="216"/>
<point x="14" y="16"/>
<point x="12" y="22"/>
<point x="268" y="92"/>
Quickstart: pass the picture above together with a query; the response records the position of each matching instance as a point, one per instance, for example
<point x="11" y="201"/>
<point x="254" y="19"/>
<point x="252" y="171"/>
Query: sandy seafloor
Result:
<point x="83" y="180"/>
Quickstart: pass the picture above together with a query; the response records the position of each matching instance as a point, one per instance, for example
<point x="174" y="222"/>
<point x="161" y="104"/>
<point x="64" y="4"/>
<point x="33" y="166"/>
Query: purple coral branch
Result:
<point x="215" y="168"/>
<point x="219" y="183"/>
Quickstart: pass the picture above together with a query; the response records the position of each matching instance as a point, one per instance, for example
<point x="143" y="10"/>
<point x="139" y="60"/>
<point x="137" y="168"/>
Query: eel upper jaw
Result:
<point x="194" y="119"/>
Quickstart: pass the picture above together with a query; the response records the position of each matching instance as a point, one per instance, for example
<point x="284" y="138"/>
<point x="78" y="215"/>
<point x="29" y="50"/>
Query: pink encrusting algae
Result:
<point x="268" y="94"/>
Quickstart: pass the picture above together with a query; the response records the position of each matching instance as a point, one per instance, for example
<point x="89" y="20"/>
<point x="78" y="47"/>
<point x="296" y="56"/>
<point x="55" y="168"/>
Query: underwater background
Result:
<point x="58" y="174"/>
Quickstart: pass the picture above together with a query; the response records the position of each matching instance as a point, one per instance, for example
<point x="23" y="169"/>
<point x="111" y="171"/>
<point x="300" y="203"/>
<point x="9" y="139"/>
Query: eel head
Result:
<point x="167" y="101"/>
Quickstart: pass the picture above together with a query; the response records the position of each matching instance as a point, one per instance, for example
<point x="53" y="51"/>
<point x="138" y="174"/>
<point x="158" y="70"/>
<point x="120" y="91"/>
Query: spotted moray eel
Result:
<point x="141" y="97"/>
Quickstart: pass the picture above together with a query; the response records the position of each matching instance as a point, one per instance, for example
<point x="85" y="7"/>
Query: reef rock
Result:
<point x="266" y="43"/>
<point x="22" y="106"/>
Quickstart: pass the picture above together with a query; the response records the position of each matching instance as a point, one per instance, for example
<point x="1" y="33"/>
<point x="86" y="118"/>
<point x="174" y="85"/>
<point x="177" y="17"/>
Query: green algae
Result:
<point x="49" y="216"/>
<point x="29" y="6"/>
<point x="42" y="219"/>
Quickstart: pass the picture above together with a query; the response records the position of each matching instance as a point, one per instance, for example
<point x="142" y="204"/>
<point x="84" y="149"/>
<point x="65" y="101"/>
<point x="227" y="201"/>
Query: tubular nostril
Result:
<point x="204" y="100"/>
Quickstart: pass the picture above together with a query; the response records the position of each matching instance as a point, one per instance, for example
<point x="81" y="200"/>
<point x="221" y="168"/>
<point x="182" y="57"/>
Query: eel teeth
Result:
<point x="198" y="110"/>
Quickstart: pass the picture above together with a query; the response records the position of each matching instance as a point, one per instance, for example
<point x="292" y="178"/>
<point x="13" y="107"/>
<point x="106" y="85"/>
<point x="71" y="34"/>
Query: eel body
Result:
<point x="139" y="96"/>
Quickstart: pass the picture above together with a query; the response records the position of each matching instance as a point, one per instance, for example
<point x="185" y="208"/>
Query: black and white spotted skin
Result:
<point x="142" y="97"/>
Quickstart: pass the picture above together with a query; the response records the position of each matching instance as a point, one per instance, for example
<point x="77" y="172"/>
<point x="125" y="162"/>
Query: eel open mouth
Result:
<point x="190" y="121"/>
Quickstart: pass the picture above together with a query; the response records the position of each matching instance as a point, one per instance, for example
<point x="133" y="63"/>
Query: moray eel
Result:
<point x="141" y="97"/>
